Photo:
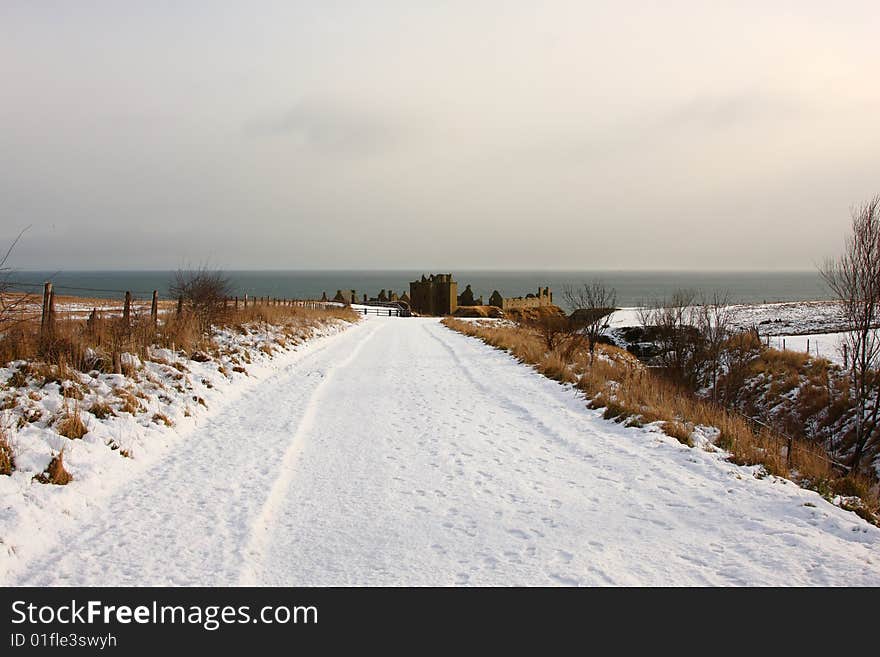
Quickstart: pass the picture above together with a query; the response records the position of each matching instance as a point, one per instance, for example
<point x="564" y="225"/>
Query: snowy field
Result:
<point x="399" y="452"/>
<point x="776" y="319"/>
<point x="788" y="325"/>
<point x="824" y="345"/>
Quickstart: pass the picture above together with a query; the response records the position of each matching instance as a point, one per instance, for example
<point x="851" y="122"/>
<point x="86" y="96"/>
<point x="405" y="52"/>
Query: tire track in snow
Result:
<point x="255" y="550"/>
<point x="547" y="430"/>
<point x="185" y="518"/>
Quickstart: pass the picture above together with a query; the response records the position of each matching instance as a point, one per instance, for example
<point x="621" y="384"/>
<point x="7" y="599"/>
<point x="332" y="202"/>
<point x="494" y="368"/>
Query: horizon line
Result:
<point x="13" y="270"/>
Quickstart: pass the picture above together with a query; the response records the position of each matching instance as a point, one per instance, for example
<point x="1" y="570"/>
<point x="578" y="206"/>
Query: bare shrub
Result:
<point x="714" y="317"/>
<point x="674" y="322"/>
<point x="854" y="277"/>
<point x="553" y="329"/>
<point x="203" y="292"/>
<point x="592" y="305"/>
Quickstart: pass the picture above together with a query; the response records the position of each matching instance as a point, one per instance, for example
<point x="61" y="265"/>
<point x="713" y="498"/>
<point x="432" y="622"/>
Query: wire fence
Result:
<point x="19" y="307"/>
<point x="786" y="440"/>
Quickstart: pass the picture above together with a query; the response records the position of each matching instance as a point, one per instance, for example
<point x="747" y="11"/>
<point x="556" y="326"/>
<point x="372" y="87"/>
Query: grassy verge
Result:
<point x="78" y="379"/>
<point x="630" y="393"/>
<point x="87" y="345"/>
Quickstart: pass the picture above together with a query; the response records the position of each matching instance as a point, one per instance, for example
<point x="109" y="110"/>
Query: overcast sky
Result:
<point x="505" y="134"/>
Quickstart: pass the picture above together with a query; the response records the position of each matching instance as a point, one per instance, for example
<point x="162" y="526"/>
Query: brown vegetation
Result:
<point x="97" y="344"/>
<point x="7" y="460"/>
<point x="854" y="277"/>
<point x="101" y="410"/>
<point x="479" y="311"/>
<point x="631" y="393"/>
<point x="55" y="472"/>
<point x="78" y="345"/>
<point x="70" y="424"/>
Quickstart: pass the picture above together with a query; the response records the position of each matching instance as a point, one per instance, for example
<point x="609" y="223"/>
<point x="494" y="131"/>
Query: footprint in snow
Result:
<point x="564" y="556"/>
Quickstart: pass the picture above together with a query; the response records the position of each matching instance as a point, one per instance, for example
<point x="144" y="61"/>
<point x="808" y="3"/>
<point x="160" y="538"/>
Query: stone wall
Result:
<point x="434" y="295"/>
<point x="544" y="297"/>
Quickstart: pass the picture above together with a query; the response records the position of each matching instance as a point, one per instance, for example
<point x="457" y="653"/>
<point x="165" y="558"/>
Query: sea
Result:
<point x="633" y="288"/>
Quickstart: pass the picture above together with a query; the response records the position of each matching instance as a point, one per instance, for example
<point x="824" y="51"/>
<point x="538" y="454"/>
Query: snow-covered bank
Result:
<point x="787" y="325"/>
<point x="401" y="452"/>
<point x="775" y="319"/>
<point x="132" y="421"/>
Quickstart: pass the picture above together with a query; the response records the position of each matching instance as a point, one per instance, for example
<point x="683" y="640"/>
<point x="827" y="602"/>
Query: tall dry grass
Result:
<point x="630" y="392"/>
<point x="7" y="458"/>
<point x="97" y="344"/>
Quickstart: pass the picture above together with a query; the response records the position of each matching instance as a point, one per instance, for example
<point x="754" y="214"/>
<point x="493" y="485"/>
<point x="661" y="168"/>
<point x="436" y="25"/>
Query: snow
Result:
<point x="792" y="322"/>
<point x="31" y="513"/>
<point x="400" y="452"/>
<point x="824" y="345"/>
<point x="777" y="319"/>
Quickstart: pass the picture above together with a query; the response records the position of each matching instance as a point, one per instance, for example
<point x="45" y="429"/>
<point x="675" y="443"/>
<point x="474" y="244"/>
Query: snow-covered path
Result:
<point x="400" y="452"/>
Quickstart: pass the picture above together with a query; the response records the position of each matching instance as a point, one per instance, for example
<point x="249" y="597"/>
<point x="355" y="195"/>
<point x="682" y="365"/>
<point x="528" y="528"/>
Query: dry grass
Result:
<point x="70" y="424"/>
<point x="161" y="418"/>
<point x="55" y="472"/>
<point x="79" y="345"/>
<point x="680" y="431"/>
<point x="128" y="402"/>
<point x="7" y="459"/>
<point x="616" y="381"/>
<point x="101" y="410"/>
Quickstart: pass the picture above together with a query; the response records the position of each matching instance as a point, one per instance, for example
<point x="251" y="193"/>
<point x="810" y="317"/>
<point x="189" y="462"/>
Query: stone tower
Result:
<point x="434" y="295"/>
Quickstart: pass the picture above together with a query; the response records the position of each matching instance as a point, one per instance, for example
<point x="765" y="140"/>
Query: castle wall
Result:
<point x="436" y="295"/>
<point x="543" y="298"/>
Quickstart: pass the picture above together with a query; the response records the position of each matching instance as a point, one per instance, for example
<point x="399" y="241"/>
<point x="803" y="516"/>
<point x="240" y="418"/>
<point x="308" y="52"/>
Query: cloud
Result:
<point x="664" y="126"/>
<point x="331" y="128"/>
<point x="719" y="112"/>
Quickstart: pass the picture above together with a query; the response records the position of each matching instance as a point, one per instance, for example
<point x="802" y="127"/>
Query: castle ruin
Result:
<point x="437" y="294"/>
<point x="467" y="298"/>
<point x="543" y="298"/>
<point x="345" y="296"/>
<point x="434" y="295"/>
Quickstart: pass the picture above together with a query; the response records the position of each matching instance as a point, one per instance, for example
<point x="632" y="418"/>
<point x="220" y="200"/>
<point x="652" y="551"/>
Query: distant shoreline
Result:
<point x="633" y="287"/>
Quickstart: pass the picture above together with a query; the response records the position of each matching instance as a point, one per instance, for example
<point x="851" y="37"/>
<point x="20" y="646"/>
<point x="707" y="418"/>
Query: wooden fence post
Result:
<point x="236" y="303"/>
<point x="180" y="305"/>
<point x="50" y="324"/>
<point x="44" y="318"/>
<point x="126" y="309"/>
<point x="154" y="309"/>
